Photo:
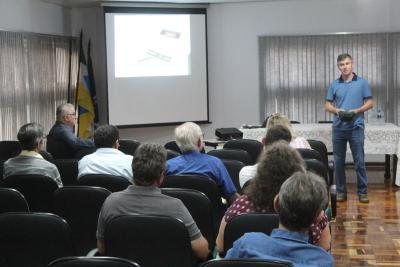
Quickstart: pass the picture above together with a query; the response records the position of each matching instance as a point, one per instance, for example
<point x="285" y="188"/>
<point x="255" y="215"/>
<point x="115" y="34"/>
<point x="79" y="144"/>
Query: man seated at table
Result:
<point x="300" y="201"/>
<point x="29" y="161"/>
<point x="107" y="159"/>
<point x="146" y="198"/>
<point x="274" y="134"/>
<point x="189" y="138"/>
<point x="62" y="141"/>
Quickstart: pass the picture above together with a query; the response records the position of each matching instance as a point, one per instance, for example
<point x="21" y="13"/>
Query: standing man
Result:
<point x="62" y="141"/>
<point x="348" y="98"/>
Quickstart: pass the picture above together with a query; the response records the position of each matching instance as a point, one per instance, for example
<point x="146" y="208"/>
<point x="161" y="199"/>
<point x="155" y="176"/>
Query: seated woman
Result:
<point x="279" y="119"/>
<point x="277" y="163"/>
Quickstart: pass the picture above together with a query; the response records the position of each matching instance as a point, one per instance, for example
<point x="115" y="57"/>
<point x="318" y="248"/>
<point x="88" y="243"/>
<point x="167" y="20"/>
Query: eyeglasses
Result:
<point x="71" y="114"/>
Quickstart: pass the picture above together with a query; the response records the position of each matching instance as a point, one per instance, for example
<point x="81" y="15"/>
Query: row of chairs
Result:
<point x="81" y="216"/>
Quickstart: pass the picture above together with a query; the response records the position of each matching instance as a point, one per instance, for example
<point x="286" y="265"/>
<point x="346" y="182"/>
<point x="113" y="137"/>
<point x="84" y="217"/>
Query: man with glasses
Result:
<point x="62" y="141"/>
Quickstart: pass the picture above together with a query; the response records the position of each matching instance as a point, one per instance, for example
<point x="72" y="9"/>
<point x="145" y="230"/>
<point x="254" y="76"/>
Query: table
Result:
<point x="379" y="139"/>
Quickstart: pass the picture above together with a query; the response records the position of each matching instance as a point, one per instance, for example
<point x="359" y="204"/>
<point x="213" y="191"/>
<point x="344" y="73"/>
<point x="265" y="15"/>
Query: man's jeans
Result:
<point x="355" y="138"/>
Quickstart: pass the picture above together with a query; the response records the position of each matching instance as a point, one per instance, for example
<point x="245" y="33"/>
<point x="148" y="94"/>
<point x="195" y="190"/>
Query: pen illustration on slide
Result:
<point x="158" y="46"/>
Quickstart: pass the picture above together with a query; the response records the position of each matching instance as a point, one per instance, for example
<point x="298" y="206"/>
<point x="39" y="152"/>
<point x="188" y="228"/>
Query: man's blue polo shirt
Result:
<point x="194" y="162"/>
<point x="282" y="245"/>
<point x="349" y="95"/>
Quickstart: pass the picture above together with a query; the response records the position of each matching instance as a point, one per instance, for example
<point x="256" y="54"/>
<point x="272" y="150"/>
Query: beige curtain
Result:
<point x="37" y="73"/>
<point x="296" y="71"/>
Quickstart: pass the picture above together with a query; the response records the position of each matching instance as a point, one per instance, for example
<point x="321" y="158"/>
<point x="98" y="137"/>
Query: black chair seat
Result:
<point x="33" y="239"/>
<point x="151" y="241"/>
<point x="80" y="207"/>
<point x="109" y="182"/>
<point x="92" y="262"/>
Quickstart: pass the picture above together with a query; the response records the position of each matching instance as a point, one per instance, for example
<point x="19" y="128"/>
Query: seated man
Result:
<point x="189" y="138"/>
<point x="300" y="201"/>
<point x="29" y="161"/>
<point x="107" y="159"/>
<point x="61" y="140"/>
<point x="275" y="133"/>
<point x="146" y="198"/>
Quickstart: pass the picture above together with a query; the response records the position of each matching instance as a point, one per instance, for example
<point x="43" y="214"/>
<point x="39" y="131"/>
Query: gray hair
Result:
<point x="301" y="198"/>
<point x="148" y="163"/>
<point x="63" y="110"/>
<point x="187" y="136"/>
<point x="30" y="135"/>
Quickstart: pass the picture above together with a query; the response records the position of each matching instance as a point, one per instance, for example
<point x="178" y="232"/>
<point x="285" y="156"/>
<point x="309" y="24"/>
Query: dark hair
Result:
<point x="277" y="133"/>
<point x="276" y="164"/>
<point x="105" y="136"/>
<point x="148" y="164"/>
<point x="343" y="56"/>
<point x="301" y="198"/>
<point x="30" y="135"/>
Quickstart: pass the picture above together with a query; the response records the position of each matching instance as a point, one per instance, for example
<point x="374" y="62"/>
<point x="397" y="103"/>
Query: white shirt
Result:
<point x="107" y="161"/>
<point x="247" y="173"/>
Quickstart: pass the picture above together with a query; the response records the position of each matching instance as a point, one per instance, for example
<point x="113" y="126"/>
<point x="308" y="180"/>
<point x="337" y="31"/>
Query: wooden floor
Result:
<point x="368" y="234"/>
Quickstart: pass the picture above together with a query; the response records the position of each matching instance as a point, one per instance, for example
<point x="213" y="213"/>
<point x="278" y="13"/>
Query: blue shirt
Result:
<point x="194" y="162"/>
<point x="282" y="245"/>
<point x="107" y="161"/>
<point x="349" y="95"/>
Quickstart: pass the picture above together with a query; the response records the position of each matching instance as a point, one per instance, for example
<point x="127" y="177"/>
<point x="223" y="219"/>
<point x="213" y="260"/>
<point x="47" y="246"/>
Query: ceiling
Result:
<point x="88" y="3"/>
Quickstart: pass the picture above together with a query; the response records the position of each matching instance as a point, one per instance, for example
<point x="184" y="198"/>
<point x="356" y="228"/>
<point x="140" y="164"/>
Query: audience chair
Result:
<point x="232" y="154"/>
<point x="172" y="154"/>
<point x="2" y="168"/>
<point x="309" y="154"/>
<point x="68" y="169"/>
<point x="109" y="182"/>
<point x="60" y="150"/>
<point x="80" y="207"/>
<point x="151" y="241"/>
<point x="234" y="167"/>
<point x="12" y="201"/>
<point x="330" y="122"/>
<point x="204" y="185"/>
<point x="9" y="149"/>
<point x="320" y="147"/>
<point x="172" y="145"/>
<point x="46" y="155"/>
<point x="245" y="263"/>
<point x="245" y="223"/>
<point x="33" y="239"/>
<point x="199" y="207"/>
<point x="92" y="262"/>
<point x="253" y="147"/>
<point x="128" y="146"/>
<point x="318" y="167"/>
<point x="294" y="122"/>
<point x="84" y="152"/>
<point x="37" y="189"/>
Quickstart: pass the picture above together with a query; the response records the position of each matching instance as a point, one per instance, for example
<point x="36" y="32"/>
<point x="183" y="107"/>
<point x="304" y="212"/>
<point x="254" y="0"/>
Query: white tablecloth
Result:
<point x="380" y="139"/>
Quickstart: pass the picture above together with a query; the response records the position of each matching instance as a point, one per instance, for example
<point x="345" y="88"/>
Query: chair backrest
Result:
<point x="309" y="154"/>
<point x="320" y="147"/>
<point x="11" y="201"/>
<point x="109" y="182"/>
<point x="330" y="122"/>
<point x="92" y="262"/>
<point x="317" y="167"/>
<point x="151" y="241"/>
<point x="84" y="152"/>
<point x="234" y="167"/>
<point x="172" y="145"/>
<point x="2" y="168"/>
<point x="294" y="122"/>
<point x="37" y="189"/>
<point x="68" y="169"/>
<point x="245" y="223"/>
<point x="245" y="263"/>
<point x="199" y="207"/>
<point x="80" y="207"/>
<point x="9" y="149"/>
<point x="232" y="154"/>
<point x="33" y="239"/>
<point x="204" y="185"/>
<point x="59" y="149"/>
<point x="128" y="146"/>
<point x="253" y="147"/>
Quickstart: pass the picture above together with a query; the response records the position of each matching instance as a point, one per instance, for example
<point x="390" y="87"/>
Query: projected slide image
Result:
<point x="152" y="45"/>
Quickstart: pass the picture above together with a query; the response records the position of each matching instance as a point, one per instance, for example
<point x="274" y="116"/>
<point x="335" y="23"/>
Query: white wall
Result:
<point x="34" y="16"/>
